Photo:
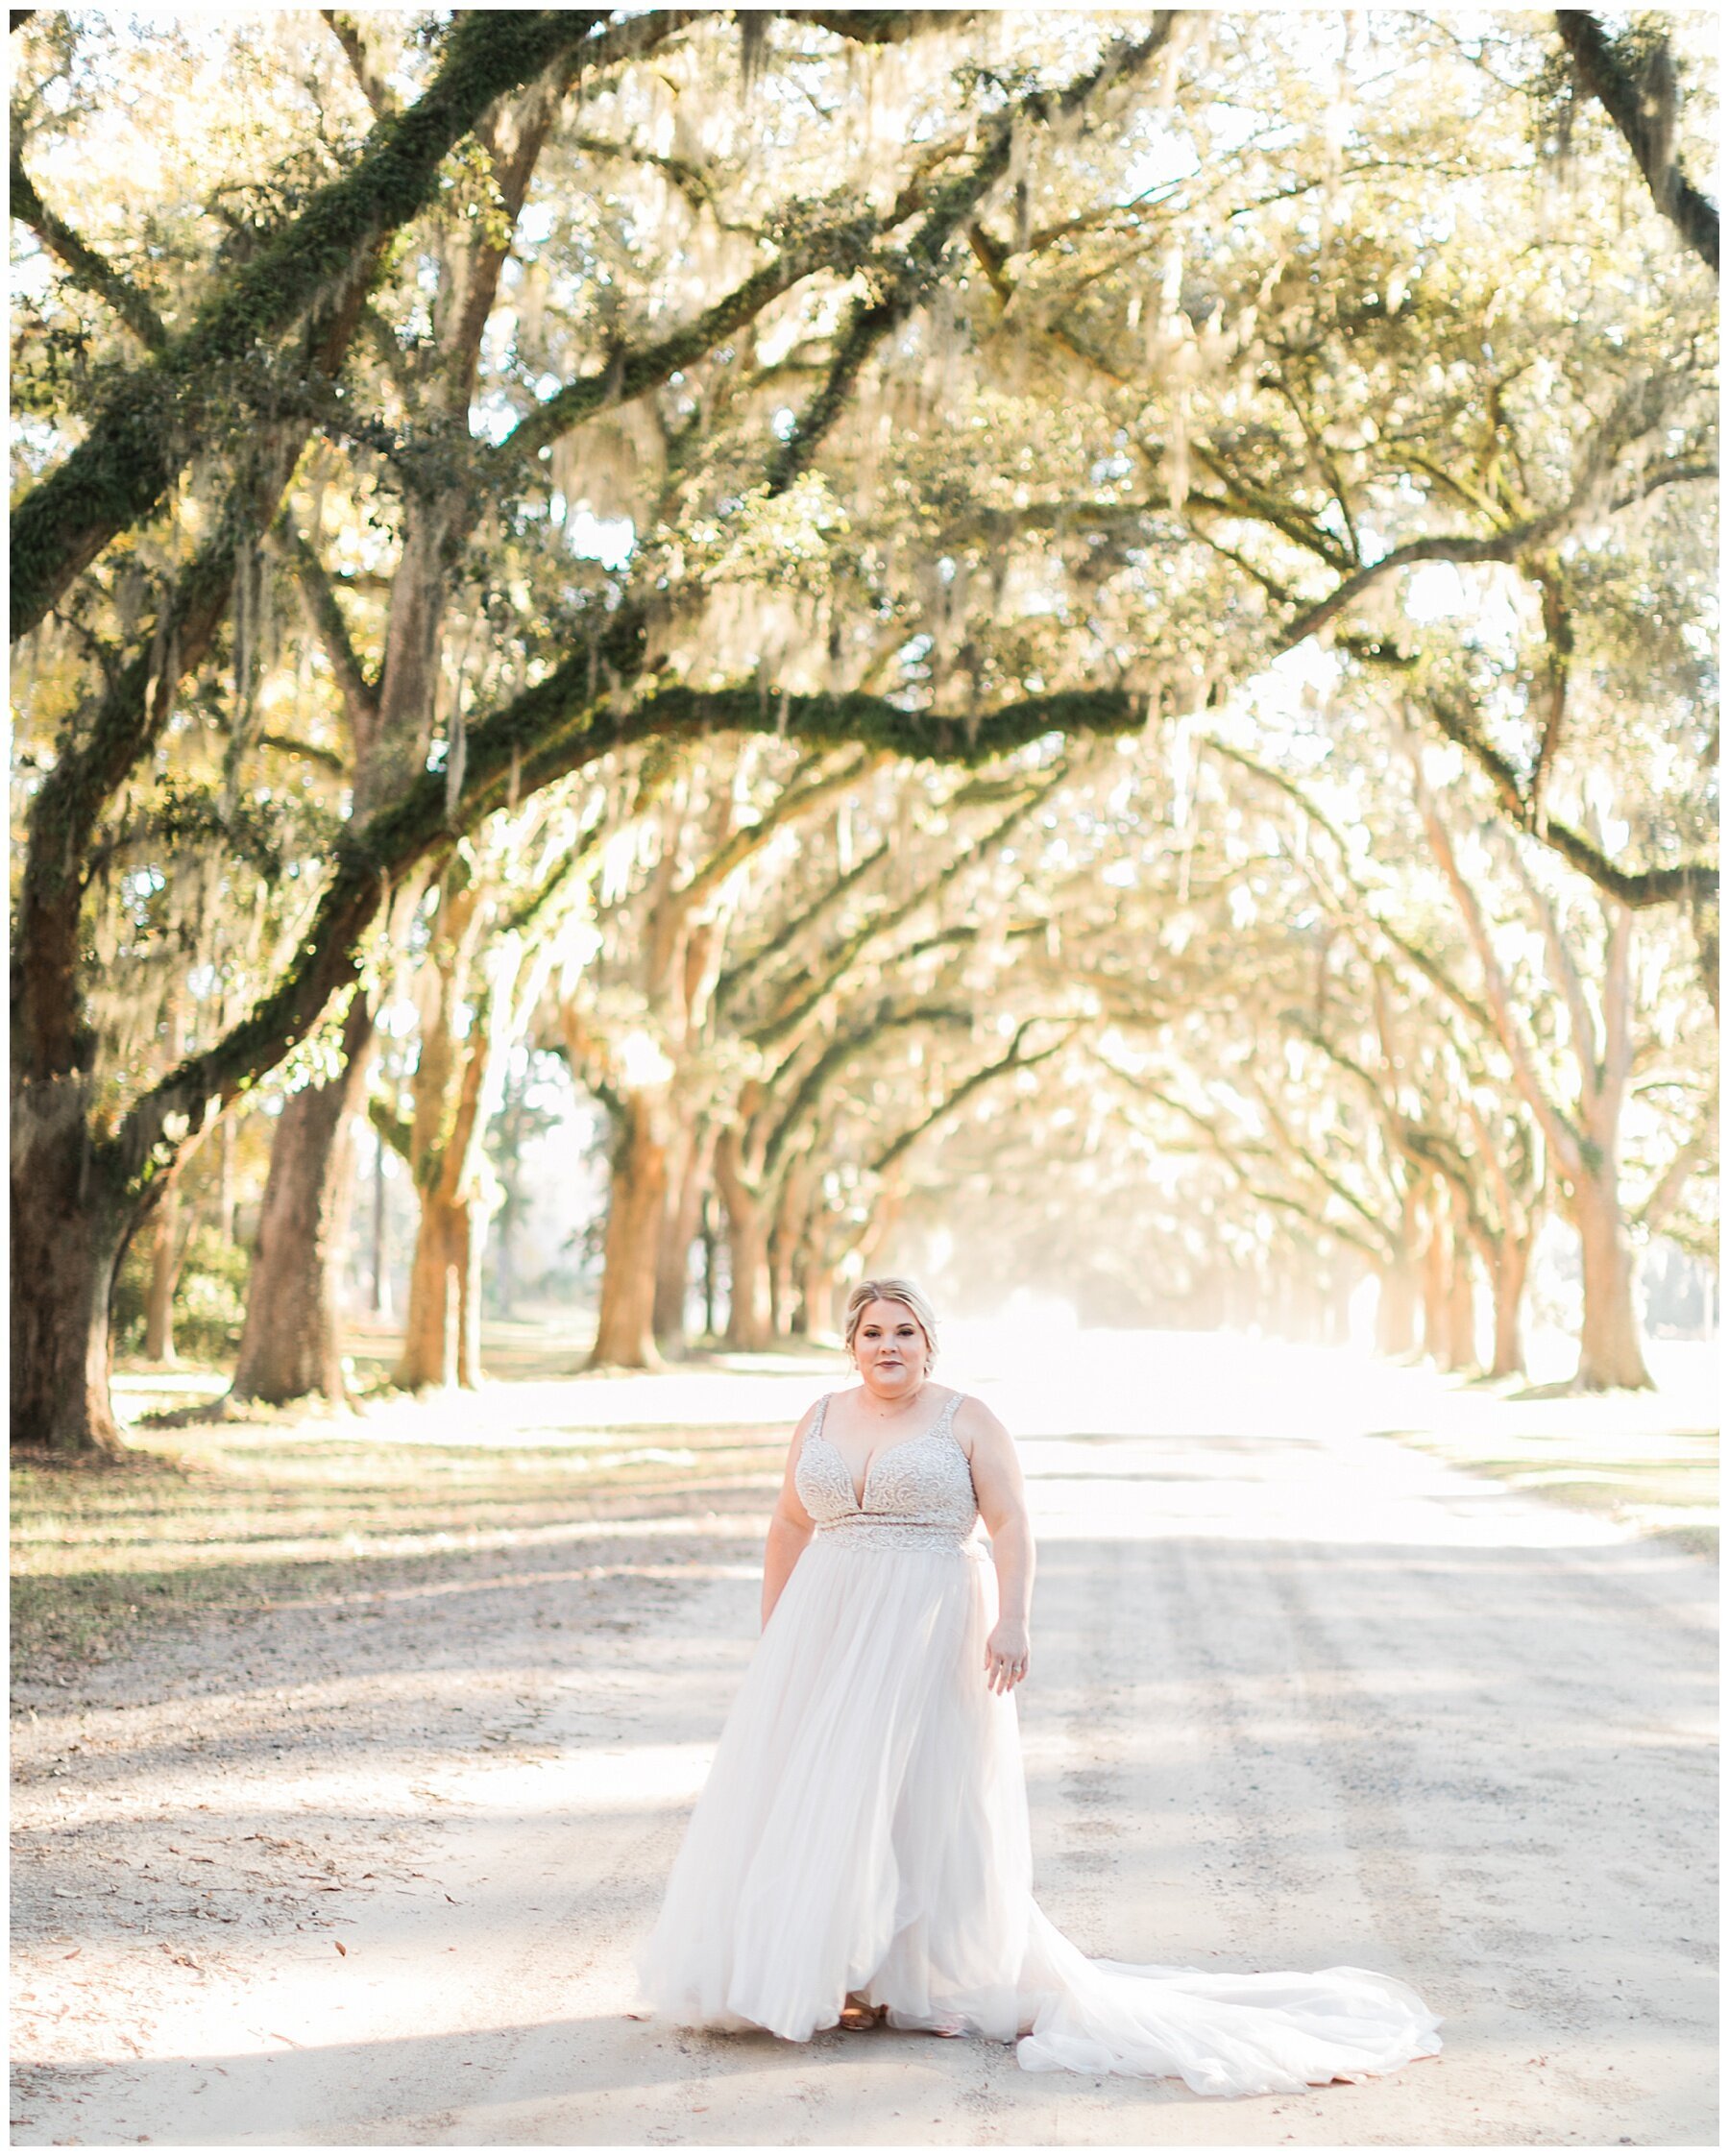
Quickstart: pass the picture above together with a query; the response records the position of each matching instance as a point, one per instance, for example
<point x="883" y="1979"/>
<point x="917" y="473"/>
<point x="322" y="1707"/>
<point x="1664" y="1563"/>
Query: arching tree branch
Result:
<point x="1641" y="103"/>
<point x="87" y="267"/>
<point x="154" y="420"/>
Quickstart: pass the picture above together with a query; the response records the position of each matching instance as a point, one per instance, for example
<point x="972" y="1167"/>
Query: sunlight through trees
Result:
<point x="1083" y="638"/>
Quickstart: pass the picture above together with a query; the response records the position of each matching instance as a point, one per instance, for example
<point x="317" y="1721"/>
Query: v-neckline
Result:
<point x="862" y="1491"/>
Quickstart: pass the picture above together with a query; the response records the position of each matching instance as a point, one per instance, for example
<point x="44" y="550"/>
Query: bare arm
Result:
<point x="792" y="1526"/>
<point x="1002" y="1495"/>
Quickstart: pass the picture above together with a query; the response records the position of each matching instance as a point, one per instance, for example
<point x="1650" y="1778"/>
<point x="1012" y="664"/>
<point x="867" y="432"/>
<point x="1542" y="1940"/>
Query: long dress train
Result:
<point x="864" y="1830"/>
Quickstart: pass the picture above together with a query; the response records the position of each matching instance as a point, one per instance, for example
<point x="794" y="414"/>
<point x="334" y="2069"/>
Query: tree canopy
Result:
<point x="424" y="417"/>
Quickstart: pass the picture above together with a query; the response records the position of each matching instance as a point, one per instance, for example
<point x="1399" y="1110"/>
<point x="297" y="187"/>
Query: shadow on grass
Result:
<point x="251" y="1518"/>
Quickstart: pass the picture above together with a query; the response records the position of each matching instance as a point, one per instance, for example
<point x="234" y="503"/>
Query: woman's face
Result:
<point x="890" y="1349"/>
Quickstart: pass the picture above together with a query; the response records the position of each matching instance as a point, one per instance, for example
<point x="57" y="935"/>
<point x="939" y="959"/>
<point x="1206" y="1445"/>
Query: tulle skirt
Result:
<point x="864" y="1830"/>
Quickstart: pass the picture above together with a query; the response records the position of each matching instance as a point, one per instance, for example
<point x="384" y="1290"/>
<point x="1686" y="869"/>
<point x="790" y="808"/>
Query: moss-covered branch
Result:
<point x="805" y="793"/>
<point x="1011" y="1059"/>
<point x="634" y="370"/>
<point x="47" y="1010"/>
<point x="901" y="282"/>
<point x="156" y="418"/>
<point x="87" y="267"/>
<point x="358" y="689"/>
<point x="879" y="26"/>
<point x="786" y="1021"/>
<point x="844" y="1049"/>
<point x="1640" y="101"/>
<point x="1685" y="883"/>
<point x="555" y="728"/>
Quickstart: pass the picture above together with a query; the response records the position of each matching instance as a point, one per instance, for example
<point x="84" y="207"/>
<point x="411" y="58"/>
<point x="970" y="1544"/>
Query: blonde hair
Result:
<point x="904" y="1291"/>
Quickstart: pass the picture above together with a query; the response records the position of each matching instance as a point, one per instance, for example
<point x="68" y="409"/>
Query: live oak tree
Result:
<point x="1542" y="1027"/>
<point x="638" y="1024"/>
<point x="984" y="378"/>
<point x="199" y="393"/>
<point x="509" y="906"/>
<point x="1578" y="1082"/>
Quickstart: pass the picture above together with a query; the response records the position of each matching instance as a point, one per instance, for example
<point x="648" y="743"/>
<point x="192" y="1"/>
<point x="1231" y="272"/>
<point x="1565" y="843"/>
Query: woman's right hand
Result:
<point x="1008" y="1655"/>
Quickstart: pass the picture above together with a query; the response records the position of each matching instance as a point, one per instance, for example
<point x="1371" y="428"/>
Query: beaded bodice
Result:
<point x="918" y="1495"/>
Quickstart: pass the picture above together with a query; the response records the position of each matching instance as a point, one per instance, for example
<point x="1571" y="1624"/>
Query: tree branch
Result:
<point x="633" y="370"/>
<point x="1557" y="1126"/>
<point x="159" y="416"/>
<point x="1013" y="1060"/>
<point x="1642" y="106"/>
<point x="879" y="26"/>
<point x="1679" y="1173"/>
<point x="1686" y="882"/>
<point x="789" y="1018"/>
<point x="87" y="267"/>
<point x="841" y="1051"/>
<point x="349" y="34"/>
<point x="794" y="800"/>
<point x="907" y="278"/>
<point x="560" y="726"/>
<point x="358" y="689"/>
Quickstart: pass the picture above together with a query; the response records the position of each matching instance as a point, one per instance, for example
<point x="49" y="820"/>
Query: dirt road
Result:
<point x="370" y="1870"/>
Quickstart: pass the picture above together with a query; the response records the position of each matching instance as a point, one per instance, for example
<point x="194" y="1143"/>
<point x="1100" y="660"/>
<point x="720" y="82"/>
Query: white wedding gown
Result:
<point x="864" y="1830"/>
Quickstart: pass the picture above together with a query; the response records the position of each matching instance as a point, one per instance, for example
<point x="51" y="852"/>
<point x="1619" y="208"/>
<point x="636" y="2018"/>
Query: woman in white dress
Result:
<point x="861" y="1850"/>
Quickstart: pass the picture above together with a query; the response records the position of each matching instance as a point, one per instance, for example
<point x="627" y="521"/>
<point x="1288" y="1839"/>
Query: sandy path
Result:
<point x="1299" y="1700"/>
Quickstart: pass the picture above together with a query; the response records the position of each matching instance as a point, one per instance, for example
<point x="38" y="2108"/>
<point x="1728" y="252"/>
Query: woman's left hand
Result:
<point x="1008" y="1655"/>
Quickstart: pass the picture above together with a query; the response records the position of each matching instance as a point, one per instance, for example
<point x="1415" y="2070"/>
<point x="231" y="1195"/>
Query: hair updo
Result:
<point x="903" y="1292"/>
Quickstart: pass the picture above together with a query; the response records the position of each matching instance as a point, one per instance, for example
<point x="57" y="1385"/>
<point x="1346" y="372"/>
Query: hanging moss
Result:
<point x="155" y="418"/>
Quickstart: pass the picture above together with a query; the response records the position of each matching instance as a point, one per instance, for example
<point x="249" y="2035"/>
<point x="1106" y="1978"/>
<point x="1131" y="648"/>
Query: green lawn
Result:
<point x="1648" y="1460"/>
<point x="239" y="1516"/>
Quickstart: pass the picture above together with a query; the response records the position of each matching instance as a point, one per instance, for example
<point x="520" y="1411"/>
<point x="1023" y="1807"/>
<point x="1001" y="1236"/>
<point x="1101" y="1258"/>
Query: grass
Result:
<point x="233" y="1518"/>
<point x="1649" y="1460"/>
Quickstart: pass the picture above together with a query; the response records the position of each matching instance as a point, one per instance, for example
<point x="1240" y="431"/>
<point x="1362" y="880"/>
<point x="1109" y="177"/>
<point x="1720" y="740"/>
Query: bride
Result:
<point x="860" y="1852"/>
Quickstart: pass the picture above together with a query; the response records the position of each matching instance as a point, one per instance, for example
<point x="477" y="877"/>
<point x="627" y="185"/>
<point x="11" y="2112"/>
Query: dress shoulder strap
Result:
<point x="945" y="1422"/>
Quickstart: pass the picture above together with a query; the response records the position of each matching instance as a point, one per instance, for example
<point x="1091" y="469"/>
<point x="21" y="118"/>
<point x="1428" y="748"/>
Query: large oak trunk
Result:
<point x="624" y="1331"/>
<point x="1396" y="1315"/>
<point x="749" y="1317"/>
<point x="166" y="1254"/>
<point x="1461" y="1293"/>
<point x="291" y="1342"/>
<point x="749" y="1313"/>
<point x="680" y="1220"/>
<point x="782" y="1300"/>
<point x="1437" y="1341"/>
<point x="1507" y="1276"/>
<point x="785" y="1241"/>
<point x="69" y="1230"/>
<point x="441" y="1337"/>
<point x="817" y="1297"/>
<point x="1611" y="1348"/>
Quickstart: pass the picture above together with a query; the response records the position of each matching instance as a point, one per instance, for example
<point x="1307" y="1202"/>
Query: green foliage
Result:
<point x="210" y="1297"/>
<point x="934" y="403"/>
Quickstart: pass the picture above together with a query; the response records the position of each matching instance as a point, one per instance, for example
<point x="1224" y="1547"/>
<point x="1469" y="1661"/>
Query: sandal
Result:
<point x="858" y="2014"/>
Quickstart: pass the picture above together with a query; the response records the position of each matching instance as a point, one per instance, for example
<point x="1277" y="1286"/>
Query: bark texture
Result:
<point x="749" y="1313"/>
<point x="1611" y="1346"/>
<point x="691" y="1167"/>
<point x="1396" y="1315"/>
<point x="625" y="1332"/>
<point x="69" y="1228"/>
<point x="291" y="1343"/>
<point x="166" y="1254"/>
